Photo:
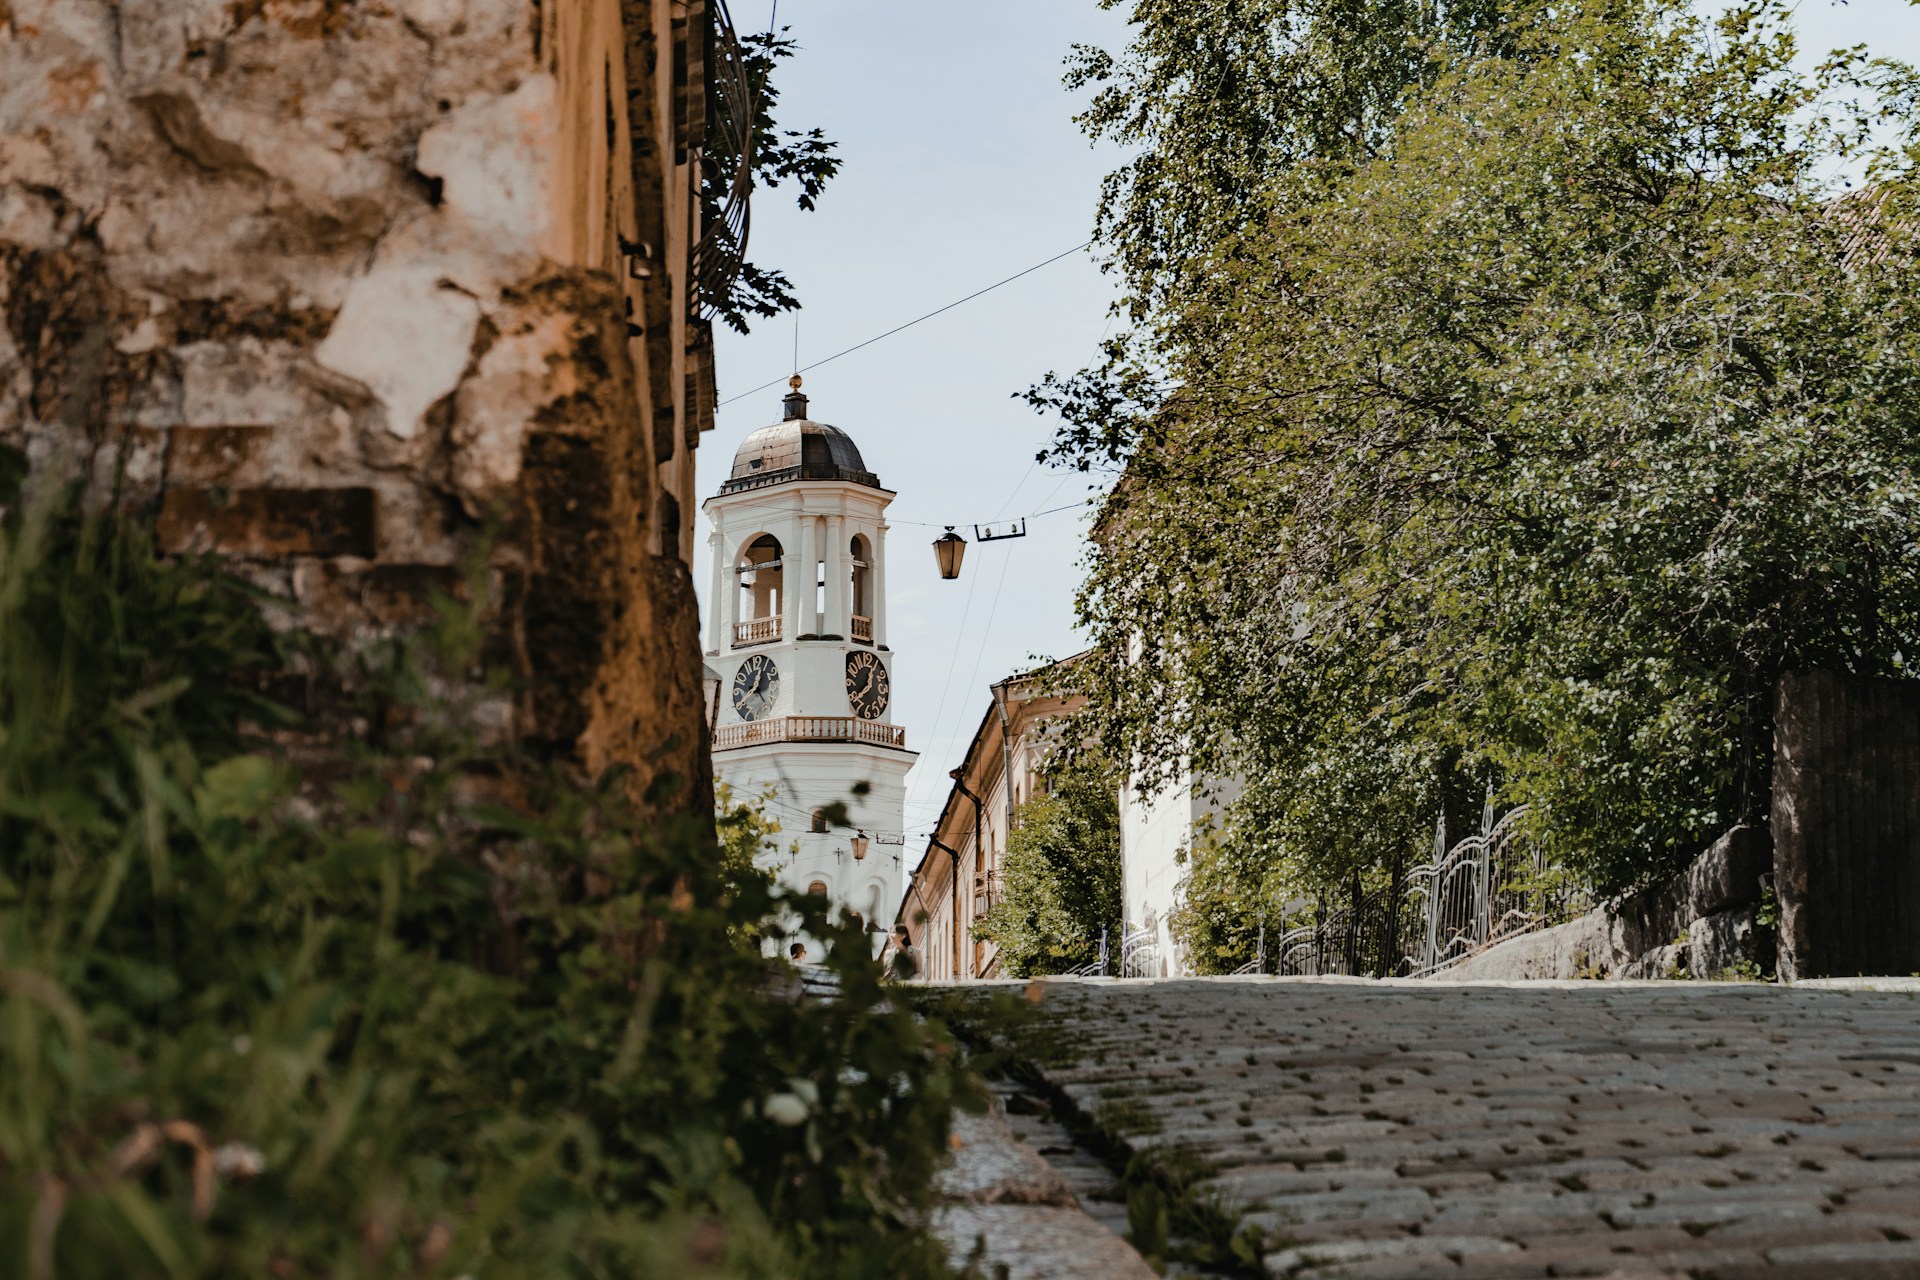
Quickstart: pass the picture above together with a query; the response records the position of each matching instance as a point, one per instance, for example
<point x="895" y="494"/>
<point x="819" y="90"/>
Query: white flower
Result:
<point x="808" y="1091"/>
<point x="238" y="1160"/>
<point x="785" y="1108"/>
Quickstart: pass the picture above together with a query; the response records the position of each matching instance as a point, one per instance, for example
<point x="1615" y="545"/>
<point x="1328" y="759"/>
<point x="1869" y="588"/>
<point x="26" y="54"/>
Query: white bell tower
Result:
<point x="797" y="633"/>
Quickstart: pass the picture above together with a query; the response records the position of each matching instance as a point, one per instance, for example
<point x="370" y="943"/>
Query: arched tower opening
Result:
<point x="861" y="553"/>
<point x="762" y="574"/>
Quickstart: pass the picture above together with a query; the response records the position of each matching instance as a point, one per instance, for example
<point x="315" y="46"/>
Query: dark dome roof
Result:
<point x="797" y="449"/>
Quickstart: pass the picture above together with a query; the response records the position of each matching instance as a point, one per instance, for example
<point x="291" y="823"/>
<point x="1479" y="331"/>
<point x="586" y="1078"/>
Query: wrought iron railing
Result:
<point x="755" y="631"/>
<point x="808" y="729"/>
<point x="1140" y="953"/>
<point x="1363" y="937"/>
<point x="986" y="891"/>
<point x="1486" y="889"/>
<point x="1259" y="962"/>
<point x="1483" y="890"/>
<point x="1096" y="967"/>
<point x="727" y="161"/>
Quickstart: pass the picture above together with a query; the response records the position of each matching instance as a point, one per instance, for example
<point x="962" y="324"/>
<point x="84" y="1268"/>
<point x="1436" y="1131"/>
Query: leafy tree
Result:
<point x="1215" y="98"/>
<point x="1061" y="877"/>
<point x="746" y="832"/>
<point x="1222" y="906"/>
<point x="1525" y="449"/>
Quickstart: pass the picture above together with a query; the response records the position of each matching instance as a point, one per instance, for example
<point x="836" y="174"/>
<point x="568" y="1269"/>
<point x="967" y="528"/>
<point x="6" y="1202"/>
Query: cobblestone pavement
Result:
<point x="1589" y="1129"/>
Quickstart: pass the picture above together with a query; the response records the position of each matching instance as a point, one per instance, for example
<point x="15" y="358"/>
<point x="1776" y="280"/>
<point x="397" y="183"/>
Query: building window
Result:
<point x="819" y="887"/>
<point x="819" y="821"/>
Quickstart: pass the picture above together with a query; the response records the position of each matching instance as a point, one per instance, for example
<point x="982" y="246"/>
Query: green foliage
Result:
<point x="746" y="832"/>
<point x="1214" y="99"/>
<point x="774" y="155"/>
<point x="1227" y="892"/>
<point x="1527" y="444"/>
<point x="364" y="996"/>
<point x="1061" y="876"/>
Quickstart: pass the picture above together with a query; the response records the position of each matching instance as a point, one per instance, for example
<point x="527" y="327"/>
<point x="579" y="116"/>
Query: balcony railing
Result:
<point x="863" y="629"/>
<point x="986" y="892"/>
<point x="757" y="631"/>
<point x="808" y="729"/>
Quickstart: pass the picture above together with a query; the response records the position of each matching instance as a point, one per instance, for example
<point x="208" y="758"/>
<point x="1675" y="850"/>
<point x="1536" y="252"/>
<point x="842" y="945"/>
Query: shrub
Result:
<point x="361" y="995"/>
<point x="1062" y="873"/>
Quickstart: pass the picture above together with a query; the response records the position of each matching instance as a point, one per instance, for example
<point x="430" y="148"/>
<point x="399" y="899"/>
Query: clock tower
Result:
<point x="797" y="633"/>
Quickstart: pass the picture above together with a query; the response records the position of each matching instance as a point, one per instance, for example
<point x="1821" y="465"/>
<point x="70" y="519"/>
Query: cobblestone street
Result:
<point x="1417" y="1129"/>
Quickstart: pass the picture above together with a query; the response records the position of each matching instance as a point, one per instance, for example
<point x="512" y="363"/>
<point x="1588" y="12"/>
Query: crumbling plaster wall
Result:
<point x="336" y="287"/>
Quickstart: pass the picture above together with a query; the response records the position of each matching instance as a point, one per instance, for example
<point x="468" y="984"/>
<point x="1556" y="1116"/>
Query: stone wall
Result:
<point x="1846" y="821"/>
<point x="1705" y="923"/>
<point x="349" y="290"/>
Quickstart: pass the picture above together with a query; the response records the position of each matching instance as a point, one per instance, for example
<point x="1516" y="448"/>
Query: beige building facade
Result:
<point x="959" y="878"/>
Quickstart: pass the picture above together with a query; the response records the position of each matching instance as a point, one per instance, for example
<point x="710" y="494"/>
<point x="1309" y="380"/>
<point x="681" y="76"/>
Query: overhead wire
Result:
<point x="1031" y="515"/>
<point x="900" y="328"/>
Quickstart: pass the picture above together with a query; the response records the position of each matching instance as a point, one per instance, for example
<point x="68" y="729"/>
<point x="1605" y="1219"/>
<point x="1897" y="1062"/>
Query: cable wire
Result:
<point x="1032" y="515"/>
<point x="909" y="324"/>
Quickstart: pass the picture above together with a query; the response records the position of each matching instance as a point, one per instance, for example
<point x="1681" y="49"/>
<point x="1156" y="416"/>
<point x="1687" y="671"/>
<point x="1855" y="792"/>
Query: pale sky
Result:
<point x="962" y="166"/>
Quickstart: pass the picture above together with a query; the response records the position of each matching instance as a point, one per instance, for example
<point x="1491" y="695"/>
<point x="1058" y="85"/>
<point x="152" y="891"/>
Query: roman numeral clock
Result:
<point x="797" y="636"/>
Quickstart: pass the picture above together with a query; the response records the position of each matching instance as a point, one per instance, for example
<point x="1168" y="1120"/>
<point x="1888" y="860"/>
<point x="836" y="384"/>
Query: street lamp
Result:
<point x="948" y="549"/>
<point x="859" y="843"/>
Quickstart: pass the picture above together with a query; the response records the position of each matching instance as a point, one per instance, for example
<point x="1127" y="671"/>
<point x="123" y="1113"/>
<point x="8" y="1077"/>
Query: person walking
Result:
<point x="906" y="956"/>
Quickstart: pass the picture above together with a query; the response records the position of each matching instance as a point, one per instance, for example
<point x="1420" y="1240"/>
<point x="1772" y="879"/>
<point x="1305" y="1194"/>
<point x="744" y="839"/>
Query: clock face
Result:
<point x="756" y="686"/>
<point x="867" y="685"/>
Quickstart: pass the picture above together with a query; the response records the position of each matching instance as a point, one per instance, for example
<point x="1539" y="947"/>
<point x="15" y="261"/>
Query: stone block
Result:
<point x="1577" y="949"/>
<point x="269" y="522"/>
<point x="990" y="1166"/>
<point x="1843" y="1255"/>
<point x="1729" y="874"/>
<point x="1402" y="1249"/>
<point x="1727" y="943"/>
<point x="207" y="456"/>
<point x="1037" y="1240"/>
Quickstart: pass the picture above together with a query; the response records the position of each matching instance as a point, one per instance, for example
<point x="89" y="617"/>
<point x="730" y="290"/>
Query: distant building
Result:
<point x="1158" y="834"/>
<point x="800" y="675"/>
<point x="958" y="879"/>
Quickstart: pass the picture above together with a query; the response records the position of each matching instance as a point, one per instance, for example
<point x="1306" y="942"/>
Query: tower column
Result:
<point x="836" y="623"/>
<point x="716" y="583"/>
<point x="878" y="577"/>
<point x="729" y="604"/>
<point x="821" y="597"/>
<point x="796" y="579"/>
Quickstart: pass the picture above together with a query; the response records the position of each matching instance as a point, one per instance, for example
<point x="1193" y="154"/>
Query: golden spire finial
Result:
<point x="794" y="382"/>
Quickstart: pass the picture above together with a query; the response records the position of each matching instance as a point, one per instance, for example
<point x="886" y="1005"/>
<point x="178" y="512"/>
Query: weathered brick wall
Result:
<point x="1846" y="825"/>
<point x="335" y="286"/>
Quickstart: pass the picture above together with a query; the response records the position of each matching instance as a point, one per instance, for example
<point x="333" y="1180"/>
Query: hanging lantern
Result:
<point x="859" y="843"/>
<point x="949" y="548"/>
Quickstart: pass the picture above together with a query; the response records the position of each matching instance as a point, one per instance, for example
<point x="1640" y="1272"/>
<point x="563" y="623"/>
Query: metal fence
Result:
<point x="1485" y="889"/>
<point x="1140" y="953"/>
<point x="1474" y="893"/>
